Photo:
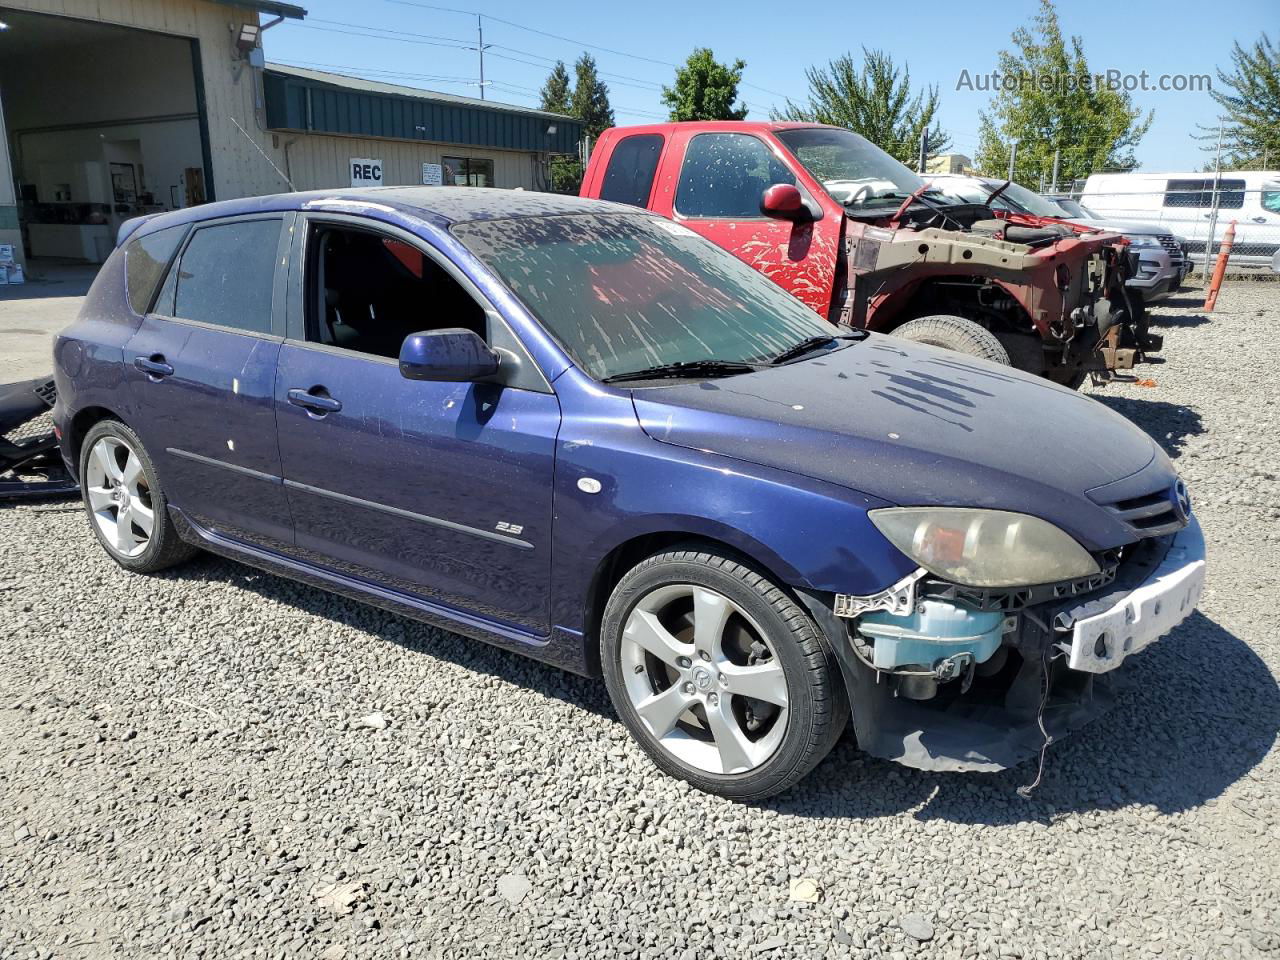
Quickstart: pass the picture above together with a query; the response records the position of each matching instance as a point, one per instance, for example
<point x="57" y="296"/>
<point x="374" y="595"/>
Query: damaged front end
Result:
<point x="955" y="678"/>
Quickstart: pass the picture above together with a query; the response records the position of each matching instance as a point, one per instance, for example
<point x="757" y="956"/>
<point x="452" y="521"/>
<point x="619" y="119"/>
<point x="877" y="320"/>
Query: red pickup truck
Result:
<point x="862" y="240"/>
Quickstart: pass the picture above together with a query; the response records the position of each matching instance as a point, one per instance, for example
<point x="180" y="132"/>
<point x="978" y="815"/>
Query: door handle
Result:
<point x="153" y="366"/>
<point x="1259" y="219"/>
<point x="319" y="402"/>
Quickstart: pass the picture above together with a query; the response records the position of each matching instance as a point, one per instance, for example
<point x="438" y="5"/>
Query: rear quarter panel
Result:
<point x="88" y="356"/>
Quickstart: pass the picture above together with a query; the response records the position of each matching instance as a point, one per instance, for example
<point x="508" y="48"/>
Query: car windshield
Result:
<point x="1075" y="208"/>
<point x="1015" y="198"/>
<point x="627" y="292"/>
<point x="1027" y="200"/>
<point x="854" y="171"/>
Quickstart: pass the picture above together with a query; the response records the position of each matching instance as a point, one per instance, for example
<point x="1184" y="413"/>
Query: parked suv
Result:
<point x="860" y="239"/>
<point x="1162" y="264"/>
<point x="581" y="432"/>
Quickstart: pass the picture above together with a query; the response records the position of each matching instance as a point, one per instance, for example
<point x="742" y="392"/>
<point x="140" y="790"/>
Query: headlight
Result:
<point x="1141" y="241"/>
<point x="984" y="548"/>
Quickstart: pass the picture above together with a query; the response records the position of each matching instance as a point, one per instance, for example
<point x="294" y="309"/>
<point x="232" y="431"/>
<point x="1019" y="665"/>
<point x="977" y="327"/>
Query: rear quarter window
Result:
<point x="145" y="261"/>
<point x="632" y="165"/>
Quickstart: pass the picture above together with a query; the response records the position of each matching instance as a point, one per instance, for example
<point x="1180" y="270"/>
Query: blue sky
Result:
<point x="636" y="46"/>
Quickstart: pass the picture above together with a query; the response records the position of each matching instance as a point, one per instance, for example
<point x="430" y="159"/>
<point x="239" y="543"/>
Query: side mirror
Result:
<point x="783" y="201"/>
<point x="453" y="355"/>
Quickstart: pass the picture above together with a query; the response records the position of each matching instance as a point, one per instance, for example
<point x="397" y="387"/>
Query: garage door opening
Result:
<point x="103" y="123"/>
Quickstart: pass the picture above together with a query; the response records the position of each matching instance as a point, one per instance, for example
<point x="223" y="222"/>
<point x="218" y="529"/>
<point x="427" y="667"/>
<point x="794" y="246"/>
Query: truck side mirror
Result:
<point x="783" y="201"/>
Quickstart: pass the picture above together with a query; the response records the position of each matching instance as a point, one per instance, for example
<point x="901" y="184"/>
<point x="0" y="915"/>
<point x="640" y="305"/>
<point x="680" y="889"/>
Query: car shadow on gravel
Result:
<point x="410" y="634"/>
<point x="1198" y="711"/>
<point x="1169" y="424"/>
<point x="1170" y="320"/>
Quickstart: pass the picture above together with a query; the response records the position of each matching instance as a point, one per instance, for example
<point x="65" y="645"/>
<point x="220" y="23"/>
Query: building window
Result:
<point x="467" y="172"/>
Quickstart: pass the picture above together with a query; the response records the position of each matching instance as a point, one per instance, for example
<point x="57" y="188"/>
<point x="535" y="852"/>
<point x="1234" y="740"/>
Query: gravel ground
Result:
<point x="220" y="763"/>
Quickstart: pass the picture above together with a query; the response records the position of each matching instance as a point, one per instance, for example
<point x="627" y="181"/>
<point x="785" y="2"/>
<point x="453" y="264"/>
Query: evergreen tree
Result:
<point x="555" y="92"/>
<point x="590" y="100"/>
<point x="1251" y="108"/>
<point x="875" y="100"/>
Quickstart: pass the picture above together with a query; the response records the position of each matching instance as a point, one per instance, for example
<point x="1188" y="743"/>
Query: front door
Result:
<point x="437" y="490"/>
<point x="202" y="366"/>
<point x="717" y="194"/>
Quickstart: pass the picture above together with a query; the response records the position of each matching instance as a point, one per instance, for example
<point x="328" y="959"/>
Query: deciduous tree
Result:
<point x="705" y="89"/>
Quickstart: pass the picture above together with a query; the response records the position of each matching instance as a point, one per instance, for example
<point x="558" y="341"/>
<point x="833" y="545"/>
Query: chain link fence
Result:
<point x="1198" y="212"/>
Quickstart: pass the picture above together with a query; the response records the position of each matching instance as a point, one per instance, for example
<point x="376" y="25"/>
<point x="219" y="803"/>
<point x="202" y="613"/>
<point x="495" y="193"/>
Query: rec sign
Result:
<point x="365" y="172"/>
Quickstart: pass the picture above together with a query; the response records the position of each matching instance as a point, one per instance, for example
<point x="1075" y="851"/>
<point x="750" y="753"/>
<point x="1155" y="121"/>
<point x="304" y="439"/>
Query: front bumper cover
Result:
<point x="970" y="732"/>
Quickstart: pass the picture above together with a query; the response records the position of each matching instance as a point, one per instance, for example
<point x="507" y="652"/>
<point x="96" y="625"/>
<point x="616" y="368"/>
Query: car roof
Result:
<point x="440" y="206"/>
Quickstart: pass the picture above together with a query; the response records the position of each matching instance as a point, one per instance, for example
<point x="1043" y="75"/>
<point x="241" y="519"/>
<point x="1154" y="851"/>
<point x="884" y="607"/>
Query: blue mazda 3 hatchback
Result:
<point x="581" y="432"/>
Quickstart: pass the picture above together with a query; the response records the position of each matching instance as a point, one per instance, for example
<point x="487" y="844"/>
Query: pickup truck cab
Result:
<point x="862" y="240"/>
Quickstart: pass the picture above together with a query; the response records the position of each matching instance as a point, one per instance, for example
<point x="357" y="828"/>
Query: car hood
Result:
<point x="1121" y="226"/>
<point x="915" y="425"/>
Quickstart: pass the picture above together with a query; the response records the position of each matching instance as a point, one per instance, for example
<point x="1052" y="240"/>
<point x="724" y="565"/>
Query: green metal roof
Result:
<point x="314" y="101"/>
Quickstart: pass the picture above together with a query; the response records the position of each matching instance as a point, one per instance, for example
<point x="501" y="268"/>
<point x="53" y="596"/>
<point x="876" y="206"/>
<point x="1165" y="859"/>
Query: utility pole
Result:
<point x="481" y="48"/>
<point x="1056" y="152"/>
<point x="1213" y="207"/>
<point x="924" y="149"/>
<point x="1013" y="156"/>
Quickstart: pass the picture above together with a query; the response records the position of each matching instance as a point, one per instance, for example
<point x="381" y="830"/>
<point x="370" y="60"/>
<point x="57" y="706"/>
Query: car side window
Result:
<point x="145" y="261"/>
<point x="368" y="291"/>
<point x="724" y="175"/>
<point x="632" y="165"/>
<point x="226" y="275"/>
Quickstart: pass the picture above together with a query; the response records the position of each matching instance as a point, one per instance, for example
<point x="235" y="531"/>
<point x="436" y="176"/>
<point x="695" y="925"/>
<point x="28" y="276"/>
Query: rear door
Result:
<point x="437" y="490"/>
<point x="717" y="194"/>
<point x="202" y="366"/>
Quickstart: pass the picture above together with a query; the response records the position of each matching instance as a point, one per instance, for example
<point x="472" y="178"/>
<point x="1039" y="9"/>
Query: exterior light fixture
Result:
<point x="247" y="38"/>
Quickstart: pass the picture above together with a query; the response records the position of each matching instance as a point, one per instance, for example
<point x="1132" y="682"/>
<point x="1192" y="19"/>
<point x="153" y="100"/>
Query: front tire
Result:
<point x="719" y="675"/>
<point x="127" y="509"/>
<point x="955" y="333"/>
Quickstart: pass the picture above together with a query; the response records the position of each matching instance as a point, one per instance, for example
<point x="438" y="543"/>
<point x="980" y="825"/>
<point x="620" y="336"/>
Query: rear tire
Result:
<point x="127" y="509"/>
<point x="955" y="333"/>
<point x="719" y="675"/>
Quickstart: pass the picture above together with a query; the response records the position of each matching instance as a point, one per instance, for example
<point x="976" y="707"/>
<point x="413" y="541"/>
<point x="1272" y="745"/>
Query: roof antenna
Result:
<point x="264" y="155"/>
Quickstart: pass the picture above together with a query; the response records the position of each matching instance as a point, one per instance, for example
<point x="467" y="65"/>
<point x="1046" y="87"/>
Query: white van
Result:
<point x="1182" y="203"/>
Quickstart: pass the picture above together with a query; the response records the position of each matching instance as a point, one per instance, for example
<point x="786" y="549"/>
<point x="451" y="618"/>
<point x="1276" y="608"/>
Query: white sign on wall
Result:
<point x="432" y="174"/>
<point x="365" y="172"/>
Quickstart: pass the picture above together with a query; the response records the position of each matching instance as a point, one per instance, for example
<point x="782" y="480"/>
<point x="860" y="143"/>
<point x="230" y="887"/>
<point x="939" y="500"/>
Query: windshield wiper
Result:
<point x="685" y="368"/>
<point x="809" y="344"/>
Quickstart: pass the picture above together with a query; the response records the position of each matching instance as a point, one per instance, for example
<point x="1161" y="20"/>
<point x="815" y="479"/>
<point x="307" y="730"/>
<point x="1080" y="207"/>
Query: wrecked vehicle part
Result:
<point x="30" y="464"/>
<point x="983" y="680"/>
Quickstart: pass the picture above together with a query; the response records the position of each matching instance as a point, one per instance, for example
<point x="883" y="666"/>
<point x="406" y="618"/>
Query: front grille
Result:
<point x="1170" y="243"/>
<point x="1151" y="515"/>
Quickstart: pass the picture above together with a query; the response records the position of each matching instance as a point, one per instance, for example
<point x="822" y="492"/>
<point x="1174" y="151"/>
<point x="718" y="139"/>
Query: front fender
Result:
<point x="807" y="533"/>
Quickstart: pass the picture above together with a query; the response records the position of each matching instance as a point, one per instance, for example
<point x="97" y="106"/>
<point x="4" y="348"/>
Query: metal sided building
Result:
<point x="109" y="110"/>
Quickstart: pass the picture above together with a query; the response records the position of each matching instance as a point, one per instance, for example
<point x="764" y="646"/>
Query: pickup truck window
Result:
<point x="629" y="176"/>
<point x="625" y="292"/>
<point x="856" y="172"/>
<point x="725" y="174"/>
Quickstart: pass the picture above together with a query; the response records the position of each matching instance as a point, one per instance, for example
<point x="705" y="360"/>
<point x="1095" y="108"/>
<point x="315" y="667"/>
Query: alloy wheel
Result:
<point x="119" y="496"/>
<point x="704" y="679"/>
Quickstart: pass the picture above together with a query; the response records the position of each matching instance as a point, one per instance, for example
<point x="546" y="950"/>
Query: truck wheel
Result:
<point x="955" y="333"/>
<point x="719" y="675"/>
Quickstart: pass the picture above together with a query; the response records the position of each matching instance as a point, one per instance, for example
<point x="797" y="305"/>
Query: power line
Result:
<point x="545" y="33"/>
